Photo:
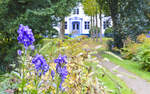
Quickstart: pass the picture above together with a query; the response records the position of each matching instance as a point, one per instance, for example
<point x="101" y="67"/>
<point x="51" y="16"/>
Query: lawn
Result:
<point x="112" y="84"/>
<point x="131" y="66"/>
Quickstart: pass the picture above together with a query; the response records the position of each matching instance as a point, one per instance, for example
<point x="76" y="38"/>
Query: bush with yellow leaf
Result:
<point x="138" y="51"/>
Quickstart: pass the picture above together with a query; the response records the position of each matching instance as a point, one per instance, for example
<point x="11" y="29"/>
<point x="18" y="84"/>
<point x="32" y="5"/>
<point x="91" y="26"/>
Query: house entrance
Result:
<point x="76" y="28"/>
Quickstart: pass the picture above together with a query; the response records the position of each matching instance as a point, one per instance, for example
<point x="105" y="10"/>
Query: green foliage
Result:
<point x="8" y="53"/>
<point x="130" y="49"/>
<point x="108" y="32"/>
<point x="93" y="29"/>
<point x="8" y="84"/>
<point x="129" y="19"/>
<point x="90" y="7"/>
<point x="138" y="51"/>
<point x="39" y="15"/>
<point x="109" y="45"/>
<point x="143" y="55"/>
<point x="103" y="7"/>
<point x="133" y="19"/>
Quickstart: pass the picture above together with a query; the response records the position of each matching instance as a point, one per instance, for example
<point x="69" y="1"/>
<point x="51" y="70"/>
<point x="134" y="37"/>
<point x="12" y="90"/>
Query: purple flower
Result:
<point x="148" y="36"/>
<point x="32" y="47"/>
<point x="61" y="59"/>
<point x="25" y="36"/>
<point x="53" y="74"/>
<point x="40" y="64"/>
<point x="112" y="46"/>
<point x="61" y="69"/>
<point x="19" y="52"/>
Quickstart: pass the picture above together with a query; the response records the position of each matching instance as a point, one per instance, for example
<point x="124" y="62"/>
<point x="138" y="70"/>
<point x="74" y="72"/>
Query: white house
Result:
<point x="78" y="23"/>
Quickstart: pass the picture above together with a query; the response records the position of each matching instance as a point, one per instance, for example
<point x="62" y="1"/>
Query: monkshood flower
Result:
<point x="61" y="69"/>
<point x="61" y="59"/>
<point x="52" y="74"/>
<point x="32" y="47"/>
<point x="113" y="46"/>
<point x="148" y="35"/>
<point x="40" y="64"/>
<point x="25" y="36"/>
<point x="19" y="52"/>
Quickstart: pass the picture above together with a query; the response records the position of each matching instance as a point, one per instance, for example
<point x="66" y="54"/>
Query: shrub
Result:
<point x="7" y="55"/>
<point x="129" y="50"/>
<point x="92" y="31"/>
<point x="108" y="32"/>
<point x="138" y="51"/>
<point x="143" y="52"/>
<point x="143" y="57"/>
<point x="110" y="45"/>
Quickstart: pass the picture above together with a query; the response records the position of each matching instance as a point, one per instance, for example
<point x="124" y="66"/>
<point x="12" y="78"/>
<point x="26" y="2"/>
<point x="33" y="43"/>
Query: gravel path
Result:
<point x="138" y="85"/>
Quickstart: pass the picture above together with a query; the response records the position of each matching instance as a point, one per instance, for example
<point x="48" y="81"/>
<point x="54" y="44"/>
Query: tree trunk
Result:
<point x="62" y="30"/>
<point x="100" y="18"/>
<point x="93" y="27"/>
<point x="113" y="5"/>
<point x="91" y="33"/>
<point x="96" y="27"/>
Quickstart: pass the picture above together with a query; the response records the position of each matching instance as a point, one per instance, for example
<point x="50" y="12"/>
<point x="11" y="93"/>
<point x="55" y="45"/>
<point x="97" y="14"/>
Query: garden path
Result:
<point x="137" y="84"/>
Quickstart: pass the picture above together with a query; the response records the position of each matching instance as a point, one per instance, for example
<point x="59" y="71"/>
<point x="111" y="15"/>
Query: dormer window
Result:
<point x="76" y="11"/>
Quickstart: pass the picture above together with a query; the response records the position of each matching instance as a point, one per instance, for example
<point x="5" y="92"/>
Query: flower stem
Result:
<point x="37" y="82"/>
<point x="23" y="80"/>
<point x="58" y="83"/>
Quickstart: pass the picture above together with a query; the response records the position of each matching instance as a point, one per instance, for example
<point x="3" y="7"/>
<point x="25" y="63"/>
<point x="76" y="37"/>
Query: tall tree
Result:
<point x="90" y="8"/>
<point x="114" y="13"/>
<point x="96" y="24"/>
<point x="133" y="17"/>
<point x="128" y="18"/>
<point x="103" y="9"/>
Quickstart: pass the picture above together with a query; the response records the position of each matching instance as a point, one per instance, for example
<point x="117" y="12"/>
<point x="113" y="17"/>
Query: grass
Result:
<point x="131" y="66"/>
<point x="111" y="81"/>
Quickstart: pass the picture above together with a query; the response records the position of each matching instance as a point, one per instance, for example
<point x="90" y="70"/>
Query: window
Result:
<point x="87" y="25"/>
<point x="106" y="24"/>
<point x="76" y="11"/>
<point x="65" y="25"/>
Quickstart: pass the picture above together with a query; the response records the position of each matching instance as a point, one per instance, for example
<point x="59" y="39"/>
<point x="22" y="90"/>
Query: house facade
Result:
<point x="78" y="23"/>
